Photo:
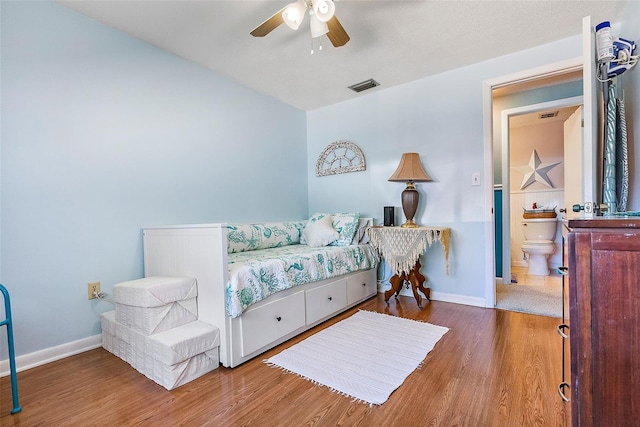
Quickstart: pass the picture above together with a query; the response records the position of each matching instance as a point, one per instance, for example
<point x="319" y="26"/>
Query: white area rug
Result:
<point x="365" y="356"/>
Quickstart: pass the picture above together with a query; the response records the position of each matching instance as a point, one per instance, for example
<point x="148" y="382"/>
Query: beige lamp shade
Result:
<point x="410" y="169"/>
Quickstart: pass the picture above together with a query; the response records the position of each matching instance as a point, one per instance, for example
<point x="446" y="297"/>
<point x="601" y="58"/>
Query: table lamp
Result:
<point x="410" y="170"/>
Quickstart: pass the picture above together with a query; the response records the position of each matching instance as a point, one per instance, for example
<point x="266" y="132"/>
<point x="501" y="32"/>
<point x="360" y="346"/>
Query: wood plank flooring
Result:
<point x="493" y="368"/>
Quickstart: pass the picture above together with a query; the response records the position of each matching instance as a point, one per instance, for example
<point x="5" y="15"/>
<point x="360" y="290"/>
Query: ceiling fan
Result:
<point x="322" y="20"/>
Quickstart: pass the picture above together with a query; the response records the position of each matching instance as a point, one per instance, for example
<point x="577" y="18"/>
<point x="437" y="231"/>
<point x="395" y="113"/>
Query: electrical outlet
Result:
<point x="93" y="287"/>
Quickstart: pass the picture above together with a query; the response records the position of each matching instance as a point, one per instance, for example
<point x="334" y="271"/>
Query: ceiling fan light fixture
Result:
<point x="293" y="14"/>
<point x="322" y="20"/>
<point x="324" y="10"/>
<point x="318" y="28"/>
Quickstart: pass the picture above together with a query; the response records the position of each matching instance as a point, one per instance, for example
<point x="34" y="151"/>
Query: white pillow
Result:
<point x="320" y="233"/>
<point x="315" y="217"/>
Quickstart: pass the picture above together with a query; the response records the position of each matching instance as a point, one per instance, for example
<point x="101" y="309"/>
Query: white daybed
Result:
<point x="251" y="325"/>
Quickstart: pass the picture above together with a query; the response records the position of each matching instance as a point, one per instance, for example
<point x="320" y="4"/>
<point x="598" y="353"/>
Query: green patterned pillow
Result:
<point x="251" y="237"/>
<point x="346" y="225"/>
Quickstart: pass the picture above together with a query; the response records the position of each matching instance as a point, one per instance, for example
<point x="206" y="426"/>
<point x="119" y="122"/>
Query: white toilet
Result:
<point x="539" y="235"/>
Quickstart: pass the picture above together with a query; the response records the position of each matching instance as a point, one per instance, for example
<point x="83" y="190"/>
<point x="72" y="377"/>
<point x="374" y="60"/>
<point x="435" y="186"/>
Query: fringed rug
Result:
<point x="366" y="356"/>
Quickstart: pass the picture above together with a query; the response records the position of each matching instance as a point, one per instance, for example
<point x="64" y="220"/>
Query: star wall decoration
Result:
<point x="536" y="171"/>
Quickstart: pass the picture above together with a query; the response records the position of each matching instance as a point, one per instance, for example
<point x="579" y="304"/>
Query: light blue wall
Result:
<point x="439" y="117"/>
<point x="630" y="81"/>
<point x="103" y="134"/>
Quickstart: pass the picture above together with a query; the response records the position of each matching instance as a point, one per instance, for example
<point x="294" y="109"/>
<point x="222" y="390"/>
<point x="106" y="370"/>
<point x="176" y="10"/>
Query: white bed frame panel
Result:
<point x="193" y="251"/>
<point x="200" y="251"/>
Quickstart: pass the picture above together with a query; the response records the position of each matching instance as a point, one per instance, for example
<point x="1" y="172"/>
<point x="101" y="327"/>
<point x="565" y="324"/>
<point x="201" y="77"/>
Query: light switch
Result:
<point x="475" y="178"/>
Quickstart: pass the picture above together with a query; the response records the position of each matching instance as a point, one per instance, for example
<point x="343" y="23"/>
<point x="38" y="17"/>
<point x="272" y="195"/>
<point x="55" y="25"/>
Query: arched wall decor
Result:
<point x="340" y="157"/>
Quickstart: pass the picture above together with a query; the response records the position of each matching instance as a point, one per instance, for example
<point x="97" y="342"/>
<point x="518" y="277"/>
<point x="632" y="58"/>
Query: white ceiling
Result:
<point x="531" y="119"/>
<point x="393" y="42"/>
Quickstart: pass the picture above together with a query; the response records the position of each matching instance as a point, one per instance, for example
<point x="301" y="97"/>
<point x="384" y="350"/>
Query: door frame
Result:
<point x="506" y="180"/>
<point x="586" y="63"/>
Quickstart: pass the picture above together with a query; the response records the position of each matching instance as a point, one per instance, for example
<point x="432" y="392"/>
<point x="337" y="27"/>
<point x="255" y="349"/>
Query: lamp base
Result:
<point x="410" y="198"/>
<point x="410" y="224"/>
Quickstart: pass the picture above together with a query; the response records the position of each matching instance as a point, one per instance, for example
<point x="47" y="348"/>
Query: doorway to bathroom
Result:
<point x="541" y="167"/>
<point x="541" y="148"/>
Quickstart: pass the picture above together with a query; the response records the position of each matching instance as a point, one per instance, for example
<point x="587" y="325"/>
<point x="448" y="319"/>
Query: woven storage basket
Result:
<point x="542" y="214"/>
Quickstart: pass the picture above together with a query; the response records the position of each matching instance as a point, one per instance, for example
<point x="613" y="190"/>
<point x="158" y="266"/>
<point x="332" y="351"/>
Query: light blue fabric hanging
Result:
<point x="622" y="158"/>
<point x="609" y="191"/>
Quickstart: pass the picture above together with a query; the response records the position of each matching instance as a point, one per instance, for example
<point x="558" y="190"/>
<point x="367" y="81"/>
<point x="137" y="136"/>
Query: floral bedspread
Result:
<point x="254" y="275"/>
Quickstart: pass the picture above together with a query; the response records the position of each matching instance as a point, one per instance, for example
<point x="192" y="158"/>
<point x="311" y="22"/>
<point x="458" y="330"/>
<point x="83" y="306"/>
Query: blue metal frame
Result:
<point x="12" y="356"/>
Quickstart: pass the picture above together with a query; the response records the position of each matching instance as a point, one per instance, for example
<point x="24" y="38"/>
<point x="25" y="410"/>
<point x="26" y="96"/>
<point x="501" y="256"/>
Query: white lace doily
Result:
<point x="402" y="247"/>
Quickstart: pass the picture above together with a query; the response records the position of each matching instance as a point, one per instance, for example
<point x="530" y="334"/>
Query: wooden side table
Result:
<point x="402" y="247"/>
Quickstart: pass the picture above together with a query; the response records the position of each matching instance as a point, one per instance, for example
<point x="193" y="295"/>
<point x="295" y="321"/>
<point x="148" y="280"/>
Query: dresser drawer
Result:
<point x="361" y="286"/>
<point x="263" y="325"/>
<point x="326" y="300"/>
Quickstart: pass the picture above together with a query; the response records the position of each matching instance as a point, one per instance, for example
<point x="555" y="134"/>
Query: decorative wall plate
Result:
<point x="340" y="157"/>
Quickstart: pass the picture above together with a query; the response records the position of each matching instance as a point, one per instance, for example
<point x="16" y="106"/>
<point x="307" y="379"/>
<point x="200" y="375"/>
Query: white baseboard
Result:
<point x="458" y="299"/>
<point x="445" y="297"/>
<point x="41" y="357"/>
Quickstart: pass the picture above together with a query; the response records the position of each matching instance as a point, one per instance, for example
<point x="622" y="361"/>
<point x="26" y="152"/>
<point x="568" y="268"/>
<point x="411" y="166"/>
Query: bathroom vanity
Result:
<point x="604" y="305"/>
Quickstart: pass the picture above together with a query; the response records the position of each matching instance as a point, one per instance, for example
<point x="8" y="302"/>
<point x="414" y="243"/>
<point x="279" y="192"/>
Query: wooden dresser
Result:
<point x="604" y="306"/>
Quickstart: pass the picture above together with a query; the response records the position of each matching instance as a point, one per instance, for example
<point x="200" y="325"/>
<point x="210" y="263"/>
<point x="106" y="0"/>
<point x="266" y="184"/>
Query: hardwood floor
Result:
<point x="493" y="368"/>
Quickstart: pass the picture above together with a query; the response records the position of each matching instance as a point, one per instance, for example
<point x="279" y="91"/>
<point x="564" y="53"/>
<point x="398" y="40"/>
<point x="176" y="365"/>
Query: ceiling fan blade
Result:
<point x="337" y="35"/>
<point x="269" y="25"/>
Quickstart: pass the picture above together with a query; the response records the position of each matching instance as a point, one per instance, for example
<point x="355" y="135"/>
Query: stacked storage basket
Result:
<point x="154" y="328"/>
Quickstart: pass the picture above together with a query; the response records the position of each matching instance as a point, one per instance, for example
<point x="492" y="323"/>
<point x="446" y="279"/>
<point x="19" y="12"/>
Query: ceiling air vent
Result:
<point x="367" y="84"/>
<point x="548" y="115"/>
